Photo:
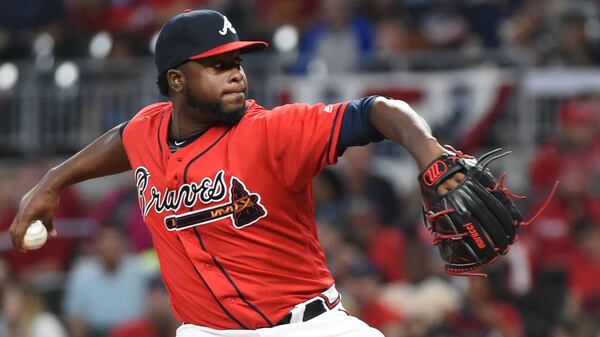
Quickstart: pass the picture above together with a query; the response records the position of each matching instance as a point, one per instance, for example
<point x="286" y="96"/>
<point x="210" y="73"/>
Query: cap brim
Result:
<point x="242" y="46"/>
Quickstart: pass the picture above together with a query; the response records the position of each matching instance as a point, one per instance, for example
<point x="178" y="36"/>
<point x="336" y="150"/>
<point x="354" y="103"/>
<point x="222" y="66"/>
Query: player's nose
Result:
<point x="236" y="75"/>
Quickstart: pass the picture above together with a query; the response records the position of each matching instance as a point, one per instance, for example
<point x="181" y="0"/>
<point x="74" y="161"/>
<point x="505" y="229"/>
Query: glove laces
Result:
<point x="457" y="153"/>
<point x="437" y="237"/>
<point x="541" y="209"/>
<point x="508" y="193"/>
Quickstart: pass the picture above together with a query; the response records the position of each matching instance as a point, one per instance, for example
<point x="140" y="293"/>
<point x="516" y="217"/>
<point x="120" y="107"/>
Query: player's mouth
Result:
<point x="235" y="96"/>
<point x="233" y="100"/>
<point x="234" y="93"/>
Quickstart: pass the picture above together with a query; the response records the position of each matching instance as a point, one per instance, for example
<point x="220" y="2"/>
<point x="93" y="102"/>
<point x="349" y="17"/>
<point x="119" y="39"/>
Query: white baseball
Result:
<point x="36" y="235"/>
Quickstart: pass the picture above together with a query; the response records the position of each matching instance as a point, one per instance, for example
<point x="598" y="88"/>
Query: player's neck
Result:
<point x="185" y="123"/>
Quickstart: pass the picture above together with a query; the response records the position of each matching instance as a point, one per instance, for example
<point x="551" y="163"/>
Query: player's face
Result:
<point x="217" y="85"/>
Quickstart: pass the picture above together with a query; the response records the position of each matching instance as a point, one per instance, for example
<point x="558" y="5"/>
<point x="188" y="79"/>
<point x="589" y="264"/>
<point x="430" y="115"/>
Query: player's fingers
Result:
<point x="17" y="231"/>
<point x="458" y="177"/>
<point x="50" y="227"/>
<point x="443" y="189"/>
<point x="451" y="184"/>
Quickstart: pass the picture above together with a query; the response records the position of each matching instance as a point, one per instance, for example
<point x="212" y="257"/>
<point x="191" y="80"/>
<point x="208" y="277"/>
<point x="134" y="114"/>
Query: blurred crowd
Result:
<point x="337" y="34"/>
<point x="100" y="277"/>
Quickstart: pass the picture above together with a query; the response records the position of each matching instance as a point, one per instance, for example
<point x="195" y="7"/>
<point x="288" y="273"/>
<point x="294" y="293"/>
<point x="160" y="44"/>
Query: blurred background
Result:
<point x="517" y="74"/>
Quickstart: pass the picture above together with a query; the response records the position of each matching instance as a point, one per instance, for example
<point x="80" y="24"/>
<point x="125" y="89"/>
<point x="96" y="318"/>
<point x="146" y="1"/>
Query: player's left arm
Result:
<point x="397" y="121"/>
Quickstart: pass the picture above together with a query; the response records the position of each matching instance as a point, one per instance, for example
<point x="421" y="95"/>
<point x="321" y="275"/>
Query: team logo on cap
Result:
<point x="227" y="26"/>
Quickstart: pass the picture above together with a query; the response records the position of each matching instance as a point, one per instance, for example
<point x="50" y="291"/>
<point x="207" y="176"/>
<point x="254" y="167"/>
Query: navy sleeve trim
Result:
<point x="122" y="128"/>
<point x="356" y="129"/>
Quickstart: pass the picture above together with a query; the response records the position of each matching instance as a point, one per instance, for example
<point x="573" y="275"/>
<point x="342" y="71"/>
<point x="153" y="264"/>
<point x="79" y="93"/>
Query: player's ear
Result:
<point x="176" y="80"/>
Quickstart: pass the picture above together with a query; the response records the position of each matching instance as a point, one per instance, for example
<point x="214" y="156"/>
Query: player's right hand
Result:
<point x="39" y="203"/>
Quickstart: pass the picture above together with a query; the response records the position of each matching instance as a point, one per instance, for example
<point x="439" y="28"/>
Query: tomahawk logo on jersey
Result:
<point x="231" y="213"/>
<point x="243" y="207"/>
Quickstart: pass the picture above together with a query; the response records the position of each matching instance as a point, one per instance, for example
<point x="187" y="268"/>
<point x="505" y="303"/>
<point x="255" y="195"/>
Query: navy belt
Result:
<point x="312" y="310"/>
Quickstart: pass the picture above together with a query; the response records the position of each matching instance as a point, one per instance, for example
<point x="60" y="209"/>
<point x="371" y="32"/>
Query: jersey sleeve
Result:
<point x="356" y="129"/>
<point x="122" y="128"/>
<point x="302" y="140"/>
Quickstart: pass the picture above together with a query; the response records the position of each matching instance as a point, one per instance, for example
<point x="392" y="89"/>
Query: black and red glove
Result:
<point x="477" y="221"/>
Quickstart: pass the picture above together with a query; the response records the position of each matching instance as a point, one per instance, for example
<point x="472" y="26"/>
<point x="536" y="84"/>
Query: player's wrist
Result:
<point x="53" y="181"/>
<point x="429" y="150"/>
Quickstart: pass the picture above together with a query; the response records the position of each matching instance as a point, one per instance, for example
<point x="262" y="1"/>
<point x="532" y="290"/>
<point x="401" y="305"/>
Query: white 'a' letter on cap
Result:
<point x="227" y="25"/>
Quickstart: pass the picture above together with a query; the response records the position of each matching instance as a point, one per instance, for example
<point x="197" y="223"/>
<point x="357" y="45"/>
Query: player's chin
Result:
<point x="232" y="112"/>
<point x="233" y="101"/>
<point x="233" y="117"/>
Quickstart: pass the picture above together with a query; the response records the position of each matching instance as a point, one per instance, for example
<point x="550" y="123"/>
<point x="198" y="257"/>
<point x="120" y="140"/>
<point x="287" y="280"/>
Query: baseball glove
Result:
<point x="477" y="221"/>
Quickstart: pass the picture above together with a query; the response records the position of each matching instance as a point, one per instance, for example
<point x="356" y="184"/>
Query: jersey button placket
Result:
<point x="207" y="267"/>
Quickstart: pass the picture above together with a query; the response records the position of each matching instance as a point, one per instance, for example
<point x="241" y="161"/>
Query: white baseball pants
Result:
<point x="334" y="323"/>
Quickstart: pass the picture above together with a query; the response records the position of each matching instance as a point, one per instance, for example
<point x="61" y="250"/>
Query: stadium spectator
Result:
<point x="576" y="139"/>
<point x="4" y="282"/>
<point x="45" y="268"/>
<point x="484" y="313"/>
<point x="584" y="271"/>
<point x="158" y="321"/>
<point x="361" y="182"/>
<point x="371" y="220"/>
<point x="329" y="196"/>
<point x="25" y="314"/>
<point x="396" y="36"/>
<point x="573" y="157"/>
<point x="423" y="299"/>
<point x="446" y="28"/>
<point x="339" y="41"/>
<point x="363" y="285"/>
<point x="121" y="206"/>
<point x="7" y="202"/>
<point x="22" y="21"/>
<point x="105" y="289"/>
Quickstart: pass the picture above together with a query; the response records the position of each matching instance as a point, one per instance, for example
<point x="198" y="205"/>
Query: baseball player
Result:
<point x="225" y="186"/>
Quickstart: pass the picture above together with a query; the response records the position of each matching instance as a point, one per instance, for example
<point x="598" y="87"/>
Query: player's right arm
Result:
<point x="105" y="156"/>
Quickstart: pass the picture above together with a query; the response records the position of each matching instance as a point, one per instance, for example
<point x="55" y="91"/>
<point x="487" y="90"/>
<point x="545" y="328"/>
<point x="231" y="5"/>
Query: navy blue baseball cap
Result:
<point x="197" y="34"/>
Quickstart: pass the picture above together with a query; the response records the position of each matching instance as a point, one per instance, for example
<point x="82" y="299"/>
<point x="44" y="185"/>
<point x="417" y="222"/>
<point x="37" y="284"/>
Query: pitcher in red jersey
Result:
<point x="225" y="186"/>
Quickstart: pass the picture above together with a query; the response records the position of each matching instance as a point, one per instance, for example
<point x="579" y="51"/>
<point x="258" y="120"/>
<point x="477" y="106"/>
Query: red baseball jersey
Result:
<point x="231" y="214"/>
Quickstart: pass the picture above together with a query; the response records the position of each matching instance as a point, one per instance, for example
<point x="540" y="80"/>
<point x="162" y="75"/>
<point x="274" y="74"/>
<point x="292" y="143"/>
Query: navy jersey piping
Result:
<point x="239" y="291"/>
<point x="162" y="116"/>
<point x="230" y="315"/>
<point x="122" y="128"/>
<point x="187" y="166"/>
<point x="200" y="241"/>
<point x="218" y="264"/>
<point x="219" y="303"/>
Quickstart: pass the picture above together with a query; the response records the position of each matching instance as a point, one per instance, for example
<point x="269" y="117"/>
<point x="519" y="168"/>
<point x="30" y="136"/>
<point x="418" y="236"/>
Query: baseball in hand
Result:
<point x="36" y="235"/>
